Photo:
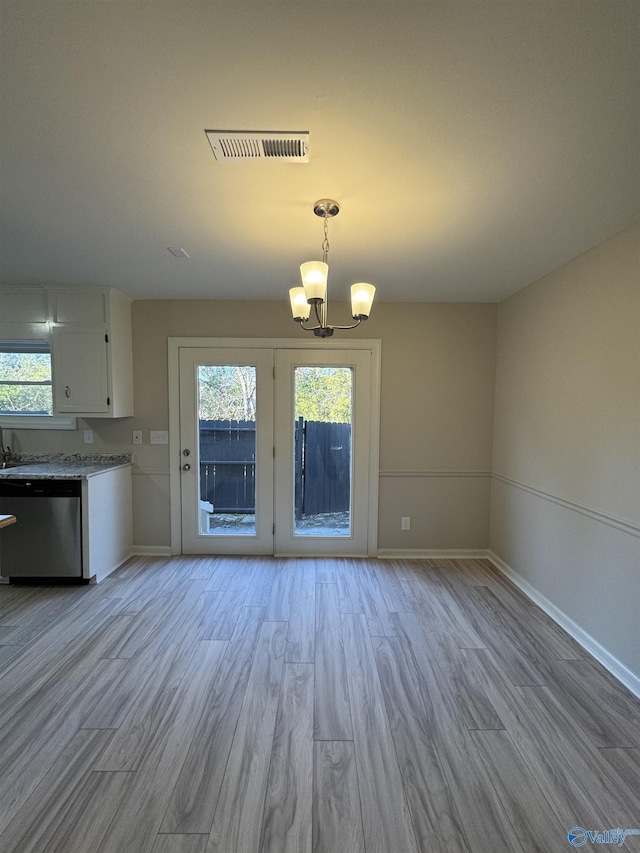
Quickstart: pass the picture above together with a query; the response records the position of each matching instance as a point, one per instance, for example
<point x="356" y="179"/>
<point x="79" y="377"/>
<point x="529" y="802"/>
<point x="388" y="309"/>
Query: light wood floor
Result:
<point x="193" y="705"/>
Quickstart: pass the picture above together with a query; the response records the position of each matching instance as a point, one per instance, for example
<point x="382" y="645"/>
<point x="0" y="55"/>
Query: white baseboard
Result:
<point x="100" y="576"/>
<point x="432" y="554"/>
<point x="608" y="661"/>
<point x="151" y="551"/>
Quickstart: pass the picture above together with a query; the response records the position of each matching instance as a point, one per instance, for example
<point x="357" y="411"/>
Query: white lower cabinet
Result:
<point x="107" y="527"/>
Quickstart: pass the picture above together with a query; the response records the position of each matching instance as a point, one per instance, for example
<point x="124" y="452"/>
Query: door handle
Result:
<point x="186" y="467"/>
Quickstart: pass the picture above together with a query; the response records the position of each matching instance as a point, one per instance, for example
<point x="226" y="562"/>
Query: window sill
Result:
<point x="37" y="422"/>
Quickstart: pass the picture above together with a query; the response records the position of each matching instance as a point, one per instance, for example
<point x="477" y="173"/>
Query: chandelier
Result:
<point x="313" y="293"/>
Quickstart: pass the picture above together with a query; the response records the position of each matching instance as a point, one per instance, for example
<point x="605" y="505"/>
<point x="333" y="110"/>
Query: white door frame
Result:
<point x="175" y="459"/>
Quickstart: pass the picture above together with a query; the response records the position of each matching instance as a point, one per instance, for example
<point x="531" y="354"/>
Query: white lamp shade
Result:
<point x="314" y="280"/>
<point x="300" y="308"/>
<point x="361" y="300"/>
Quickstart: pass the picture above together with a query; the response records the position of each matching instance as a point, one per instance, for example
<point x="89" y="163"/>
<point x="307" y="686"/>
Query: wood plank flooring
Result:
<point x="260" y="705"/>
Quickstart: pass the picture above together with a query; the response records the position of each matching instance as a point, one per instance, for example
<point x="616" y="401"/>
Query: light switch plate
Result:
<point x="137" y="436"/>
<point x="88" y="436"/>
<point x="159" y="436"/>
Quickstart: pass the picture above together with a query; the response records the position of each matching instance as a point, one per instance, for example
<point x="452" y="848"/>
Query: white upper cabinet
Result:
<point x="80" y="308"/>
<point x="91" y="353"/>
<point x="89" y="331"/>
<point x="24" y="313"/>
<point x="80" y="371"/>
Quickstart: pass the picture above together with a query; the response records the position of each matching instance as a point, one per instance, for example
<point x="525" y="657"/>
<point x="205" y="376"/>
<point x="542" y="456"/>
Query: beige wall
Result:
<point x="565" y="510"/>
<point x="436" y="422"/>
<point x="436" y="410"/>
<point x="437" y="386"/>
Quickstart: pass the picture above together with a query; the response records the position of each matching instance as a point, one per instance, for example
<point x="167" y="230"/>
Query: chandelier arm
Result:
<point x="331" y="328"/>
<point x="344" y="328"/>
<point x="308" y="328"/>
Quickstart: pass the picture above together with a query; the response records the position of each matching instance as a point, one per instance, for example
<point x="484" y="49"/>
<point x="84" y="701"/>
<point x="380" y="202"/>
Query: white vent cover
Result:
<point x="177" y="253"/>
<point x="259" y="145"/>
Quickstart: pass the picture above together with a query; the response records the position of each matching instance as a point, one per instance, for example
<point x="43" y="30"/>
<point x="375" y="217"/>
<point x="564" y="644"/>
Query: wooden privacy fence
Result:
<point x="322" y="466"/>
<point x="228" y="465"/>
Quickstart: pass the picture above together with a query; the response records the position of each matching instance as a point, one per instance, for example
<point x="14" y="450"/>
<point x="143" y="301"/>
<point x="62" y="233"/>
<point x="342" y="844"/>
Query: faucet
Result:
<point x="5" y="452"/>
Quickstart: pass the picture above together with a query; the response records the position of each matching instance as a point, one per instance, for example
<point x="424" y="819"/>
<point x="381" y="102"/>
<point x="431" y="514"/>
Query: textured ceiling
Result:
<point x="473" y="146"/>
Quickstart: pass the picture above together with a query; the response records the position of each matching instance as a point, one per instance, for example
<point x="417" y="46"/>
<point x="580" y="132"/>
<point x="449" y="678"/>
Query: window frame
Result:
<point x="25" y="421"/>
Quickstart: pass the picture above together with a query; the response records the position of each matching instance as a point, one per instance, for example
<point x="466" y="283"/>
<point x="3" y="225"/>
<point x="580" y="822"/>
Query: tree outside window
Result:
<point x="25" y="378"/>
<point x="229" y="393"/>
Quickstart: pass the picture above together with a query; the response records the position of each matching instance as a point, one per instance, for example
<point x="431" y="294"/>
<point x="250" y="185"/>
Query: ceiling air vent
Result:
<point x="259" y="145"/>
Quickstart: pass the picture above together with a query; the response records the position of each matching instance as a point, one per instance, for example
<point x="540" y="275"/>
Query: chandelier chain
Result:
<point x="325" y="242"/>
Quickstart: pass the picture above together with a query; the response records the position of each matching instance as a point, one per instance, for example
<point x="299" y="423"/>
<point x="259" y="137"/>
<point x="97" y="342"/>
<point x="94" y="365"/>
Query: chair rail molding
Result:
<point x="622" y="524"/>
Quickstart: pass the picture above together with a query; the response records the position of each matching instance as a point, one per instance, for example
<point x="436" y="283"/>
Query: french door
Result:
<point x="276" y="450"/>
<point x="237" y="384"/>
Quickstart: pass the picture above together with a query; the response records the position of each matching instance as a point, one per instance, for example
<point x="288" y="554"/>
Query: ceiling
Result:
<point x="473" y="146"/>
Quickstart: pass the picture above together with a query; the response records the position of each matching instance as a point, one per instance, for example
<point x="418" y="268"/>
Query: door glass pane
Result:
<point x="227" y="443"/>
<point x="322" y="448"/>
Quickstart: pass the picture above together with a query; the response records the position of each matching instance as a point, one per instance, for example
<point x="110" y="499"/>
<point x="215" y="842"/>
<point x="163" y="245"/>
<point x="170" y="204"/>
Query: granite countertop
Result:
<point x="64" y="466"/>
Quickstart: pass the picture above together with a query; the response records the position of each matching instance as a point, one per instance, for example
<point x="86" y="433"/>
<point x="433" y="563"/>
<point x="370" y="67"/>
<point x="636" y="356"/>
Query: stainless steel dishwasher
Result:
<point x="45" y="543"/>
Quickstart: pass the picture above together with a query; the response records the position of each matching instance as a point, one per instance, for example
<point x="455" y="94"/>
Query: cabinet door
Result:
<point x="80" y="382"/>
<point x="24" y="314"/>
<point x="82" y="308"/>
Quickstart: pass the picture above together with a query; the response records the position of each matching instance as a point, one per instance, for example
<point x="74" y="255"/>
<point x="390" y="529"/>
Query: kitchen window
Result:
<point x="26" y="391"/>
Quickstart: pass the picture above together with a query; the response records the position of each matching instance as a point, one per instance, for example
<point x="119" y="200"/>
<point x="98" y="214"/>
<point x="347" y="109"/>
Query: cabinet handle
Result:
<point x="67" y="391"/>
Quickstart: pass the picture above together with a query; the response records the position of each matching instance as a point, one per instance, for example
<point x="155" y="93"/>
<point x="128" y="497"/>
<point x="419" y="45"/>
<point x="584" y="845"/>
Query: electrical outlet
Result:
<point x="88" y="436"/>
<point x="137" y="436"/>
<point x="405" y="522"/>
<point x="159" y="436"/>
